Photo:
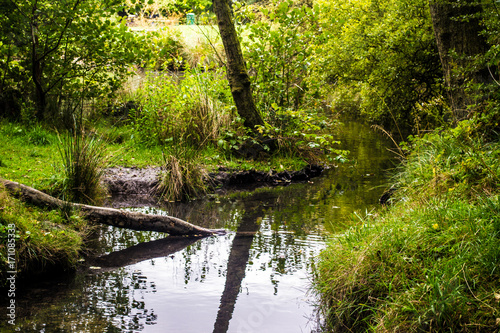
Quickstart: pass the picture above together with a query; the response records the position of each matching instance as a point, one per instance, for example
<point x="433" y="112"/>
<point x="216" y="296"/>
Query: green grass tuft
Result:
<point x="183" y="176"/>
<point x="84" y="159"/>
<point x="43" y="238"/>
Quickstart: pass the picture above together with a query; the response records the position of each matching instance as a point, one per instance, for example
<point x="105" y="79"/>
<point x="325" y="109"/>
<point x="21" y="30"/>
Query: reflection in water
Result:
<point x="236" y="265"/>
<point x="254" y="279"/>
<point x="143" y="251"/>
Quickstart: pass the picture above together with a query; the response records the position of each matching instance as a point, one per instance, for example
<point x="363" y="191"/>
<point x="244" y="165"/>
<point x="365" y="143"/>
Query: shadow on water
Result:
<point x="254" y="279"/>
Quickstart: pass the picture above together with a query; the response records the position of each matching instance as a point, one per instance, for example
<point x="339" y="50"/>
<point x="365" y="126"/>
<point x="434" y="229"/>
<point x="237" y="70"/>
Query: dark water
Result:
<point x="254" y="279"/>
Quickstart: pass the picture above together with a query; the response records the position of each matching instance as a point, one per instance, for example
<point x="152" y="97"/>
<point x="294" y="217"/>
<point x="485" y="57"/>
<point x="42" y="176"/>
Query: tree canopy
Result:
<point x="62" y="52"/>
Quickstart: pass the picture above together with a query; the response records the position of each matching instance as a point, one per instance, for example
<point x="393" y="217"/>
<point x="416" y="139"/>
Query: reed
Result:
<point x="84" y="158"/>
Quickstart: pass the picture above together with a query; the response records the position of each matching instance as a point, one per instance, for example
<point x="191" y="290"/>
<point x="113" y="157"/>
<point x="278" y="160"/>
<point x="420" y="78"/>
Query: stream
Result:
<point x="256" y="278"/>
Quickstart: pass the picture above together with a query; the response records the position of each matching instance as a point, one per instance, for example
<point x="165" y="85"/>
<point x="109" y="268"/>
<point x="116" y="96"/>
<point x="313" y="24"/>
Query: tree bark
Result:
<point x="459" y="44"/>
<point x="110" y="216"/>
<point x="238" y="78"/>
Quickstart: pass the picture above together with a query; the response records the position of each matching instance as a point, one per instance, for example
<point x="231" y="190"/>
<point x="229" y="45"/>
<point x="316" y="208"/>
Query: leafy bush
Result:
<point x="82" y="52"/>
<point x="379" y="58"/>
<point x="163" y="50"/>
<point x="278" y="47"/>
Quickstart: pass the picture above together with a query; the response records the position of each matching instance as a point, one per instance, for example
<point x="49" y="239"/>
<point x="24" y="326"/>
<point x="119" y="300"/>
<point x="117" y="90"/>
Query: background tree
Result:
<point x="59" y="52"/>
<point x="237" y="74"/>
<point x="379" y="60"/>
<point x="458" y="31"/>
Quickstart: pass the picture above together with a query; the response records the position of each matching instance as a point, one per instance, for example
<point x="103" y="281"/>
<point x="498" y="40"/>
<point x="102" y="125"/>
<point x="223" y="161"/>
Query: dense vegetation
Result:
<point x="82" y="88"/>
<point x="430" y="262"/>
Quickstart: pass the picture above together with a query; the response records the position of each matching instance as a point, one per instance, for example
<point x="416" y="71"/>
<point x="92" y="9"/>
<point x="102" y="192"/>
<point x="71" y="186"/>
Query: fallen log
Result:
<point x="110" y="216"/>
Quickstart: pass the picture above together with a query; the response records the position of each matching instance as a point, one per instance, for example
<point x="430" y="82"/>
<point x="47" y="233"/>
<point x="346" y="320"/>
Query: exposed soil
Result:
<point x="136" y="187"/>
<point x="131" y="181"/>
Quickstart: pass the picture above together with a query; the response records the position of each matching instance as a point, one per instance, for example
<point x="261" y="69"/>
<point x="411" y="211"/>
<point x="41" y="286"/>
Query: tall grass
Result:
<point x="183" y="176"/>
<point x="195" y="108"/>
<point x="430" y="263"/>
<point x="84" y="157"/>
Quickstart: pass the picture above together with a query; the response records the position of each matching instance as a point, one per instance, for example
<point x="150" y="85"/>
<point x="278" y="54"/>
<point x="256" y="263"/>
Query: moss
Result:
<point x="43" y="239"/>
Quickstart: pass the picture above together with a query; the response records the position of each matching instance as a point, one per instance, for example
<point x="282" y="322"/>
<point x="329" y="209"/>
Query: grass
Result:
<point x="43" y="238"/>
<point x="84" y="159"/>
<point x="40" y="166"/>
<point x="183" y="176"/>
<point x="431" y="262"/>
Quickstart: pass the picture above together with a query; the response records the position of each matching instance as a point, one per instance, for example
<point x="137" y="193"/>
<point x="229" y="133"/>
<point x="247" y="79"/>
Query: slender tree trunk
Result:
<point x="36" y="68"/>
<point x="459" y="44"/>
<point x="110" y="216"/>
<point x="239" y="81"/>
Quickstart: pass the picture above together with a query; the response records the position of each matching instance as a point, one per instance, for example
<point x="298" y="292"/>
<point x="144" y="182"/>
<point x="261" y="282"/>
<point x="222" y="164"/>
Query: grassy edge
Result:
<point x="431" y="262"/>
<point x="44" y="239"/>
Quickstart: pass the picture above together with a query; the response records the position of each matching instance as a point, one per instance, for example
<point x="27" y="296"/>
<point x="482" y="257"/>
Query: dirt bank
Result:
<point x="138" y="186"/>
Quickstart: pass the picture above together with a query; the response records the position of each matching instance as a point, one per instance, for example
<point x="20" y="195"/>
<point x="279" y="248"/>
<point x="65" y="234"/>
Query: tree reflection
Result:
<point x="236" y="265"/>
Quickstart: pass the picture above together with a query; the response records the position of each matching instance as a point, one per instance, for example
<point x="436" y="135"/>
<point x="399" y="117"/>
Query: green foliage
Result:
<point x="56" y="51"/>
<point x="147" y="8"/>
<point x="84" y="158"/>
<point x="183" y="176"/>
<point x="162" y="49"/>
<point x="457" y="161"/>
<point x="430" y="262"/>
<point x="40" y="136"/>
<point x="380" y="60"/>
<point x="306" y="135"/>
<point x="195" y="110"/>
<point x="278" y="48"/>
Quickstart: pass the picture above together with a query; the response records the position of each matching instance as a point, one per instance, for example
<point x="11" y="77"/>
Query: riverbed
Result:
<point x="256" y="278"/>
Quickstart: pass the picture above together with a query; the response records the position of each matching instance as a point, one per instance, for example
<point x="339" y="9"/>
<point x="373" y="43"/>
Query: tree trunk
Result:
<point x="238" y="78"/>
<point x="459" y="43"/>
<point x="110" y="216"/>
<point x="36" y="67"/>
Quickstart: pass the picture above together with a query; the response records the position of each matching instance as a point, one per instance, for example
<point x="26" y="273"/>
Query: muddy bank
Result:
<point x="228" y="179"/>
<point x="137" y="187"/>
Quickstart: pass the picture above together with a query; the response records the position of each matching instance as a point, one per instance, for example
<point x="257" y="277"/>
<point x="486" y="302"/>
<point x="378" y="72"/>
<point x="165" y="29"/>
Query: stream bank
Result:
<point x="135" y="187"/>
<point x="254" y="278"/>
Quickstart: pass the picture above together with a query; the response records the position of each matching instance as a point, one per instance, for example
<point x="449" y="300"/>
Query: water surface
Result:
<point x="254" y="279"/>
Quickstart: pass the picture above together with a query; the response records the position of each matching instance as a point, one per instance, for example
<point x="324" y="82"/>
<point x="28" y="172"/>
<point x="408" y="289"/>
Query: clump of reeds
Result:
<point x="84" y="157"/>
<point x="182" y="177"/>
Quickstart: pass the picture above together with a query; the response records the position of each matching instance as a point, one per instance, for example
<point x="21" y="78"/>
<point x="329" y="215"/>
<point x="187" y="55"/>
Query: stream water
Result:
<point x="256" y="278"/>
